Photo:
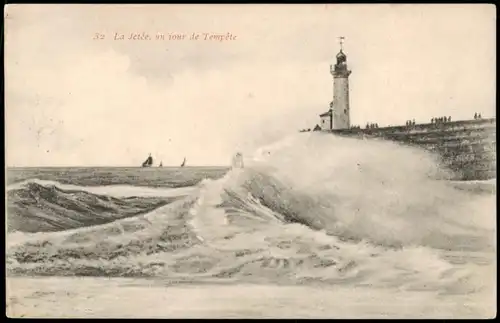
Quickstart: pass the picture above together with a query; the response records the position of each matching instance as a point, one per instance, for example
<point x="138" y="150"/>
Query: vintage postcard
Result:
<point x="250" y="161"/>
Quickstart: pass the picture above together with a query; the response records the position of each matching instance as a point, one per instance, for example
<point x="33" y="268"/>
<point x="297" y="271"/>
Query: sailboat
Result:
<point x="161" y="164"/>
<point x="183" y="162"/>
<point x="148" y="162"/>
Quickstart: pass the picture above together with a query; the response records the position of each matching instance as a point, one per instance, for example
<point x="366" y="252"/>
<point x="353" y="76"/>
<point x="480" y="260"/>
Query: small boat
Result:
<point x="148" y="162"/>
<point x="183" y="162"/>
<point x="161" y="164"/>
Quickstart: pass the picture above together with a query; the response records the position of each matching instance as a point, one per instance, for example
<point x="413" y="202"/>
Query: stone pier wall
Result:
<point x="468" y="148"/>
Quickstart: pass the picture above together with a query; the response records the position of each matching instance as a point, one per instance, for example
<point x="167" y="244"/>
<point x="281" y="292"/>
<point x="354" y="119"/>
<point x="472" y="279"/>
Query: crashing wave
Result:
<point x="367" y="212"/>
<point x="33" y="207"/>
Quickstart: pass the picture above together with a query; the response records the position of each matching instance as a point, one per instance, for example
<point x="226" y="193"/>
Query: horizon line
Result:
<point x="101" y="166"/>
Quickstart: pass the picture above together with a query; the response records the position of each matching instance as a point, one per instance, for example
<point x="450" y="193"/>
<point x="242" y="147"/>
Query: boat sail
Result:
<point x="183" y="162"/>
<point x="148" y="162"/>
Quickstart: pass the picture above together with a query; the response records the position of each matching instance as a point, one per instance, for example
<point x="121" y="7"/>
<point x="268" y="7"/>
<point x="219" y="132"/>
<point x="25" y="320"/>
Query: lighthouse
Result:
<point x="338" y="115"/>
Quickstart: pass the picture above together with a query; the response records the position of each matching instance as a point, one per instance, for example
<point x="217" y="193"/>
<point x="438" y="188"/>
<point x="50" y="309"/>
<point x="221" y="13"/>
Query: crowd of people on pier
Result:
<point x="441" y="120"/>
<point x="369" y="125"/>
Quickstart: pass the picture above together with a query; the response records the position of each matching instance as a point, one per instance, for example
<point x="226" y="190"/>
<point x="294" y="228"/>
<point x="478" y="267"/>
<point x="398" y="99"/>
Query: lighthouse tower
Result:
<point x="340" y="102"/>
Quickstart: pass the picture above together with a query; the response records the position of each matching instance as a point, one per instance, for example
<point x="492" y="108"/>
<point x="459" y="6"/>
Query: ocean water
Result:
<point x="363" y="222"/>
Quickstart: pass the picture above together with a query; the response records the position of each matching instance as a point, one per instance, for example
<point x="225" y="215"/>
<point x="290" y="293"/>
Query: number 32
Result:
<point x="98" y="36"/>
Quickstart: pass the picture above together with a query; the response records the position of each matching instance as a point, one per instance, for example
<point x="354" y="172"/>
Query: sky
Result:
<point x="73" y="100"/>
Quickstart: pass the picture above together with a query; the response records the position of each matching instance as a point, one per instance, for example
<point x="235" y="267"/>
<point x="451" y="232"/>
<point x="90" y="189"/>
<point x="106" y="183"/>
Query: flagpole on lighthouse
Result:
<point x="341" y="41"/>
